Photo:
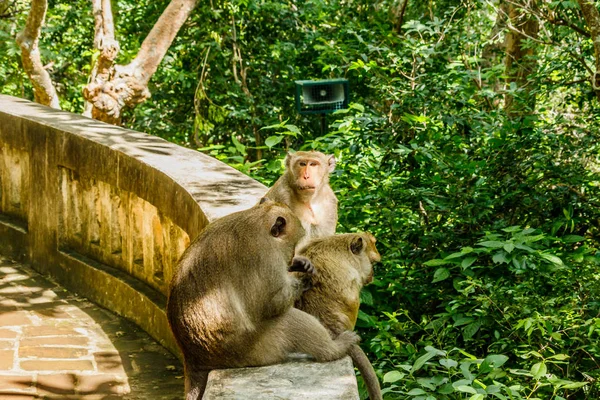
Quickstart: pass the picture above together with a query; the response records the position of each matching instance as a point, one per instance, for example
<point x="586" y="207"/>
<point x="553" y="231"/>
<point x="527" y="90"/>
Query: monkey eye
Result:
<point x="302" y="163"/>
<point x="314" y="164"/>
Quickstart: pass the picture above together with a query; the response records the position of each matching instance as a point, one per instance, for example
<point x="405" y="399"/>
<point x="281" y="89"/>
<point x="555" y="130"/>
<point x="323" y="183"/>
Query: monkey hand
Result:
<point x="306" y="282"/>
<point x="302" y="264"/>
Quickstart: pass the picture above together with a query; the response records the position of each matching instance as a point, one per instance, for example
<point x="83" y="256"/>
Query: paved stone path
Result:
<point x="55" y="345"/>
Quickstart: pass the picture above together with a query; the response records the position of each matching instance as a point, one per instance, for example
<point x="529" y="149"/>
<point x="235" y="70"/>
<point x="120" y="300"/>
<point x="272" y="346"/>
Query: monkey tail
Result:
<point x="366" y="370"/>
<point x="195" y="382"/>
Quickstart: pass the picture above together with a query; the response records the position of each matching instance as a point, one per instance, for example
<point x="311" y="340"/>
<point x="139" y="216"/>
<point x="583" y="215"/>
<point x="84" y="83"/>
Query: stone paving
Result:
<point x="55" y="345"/>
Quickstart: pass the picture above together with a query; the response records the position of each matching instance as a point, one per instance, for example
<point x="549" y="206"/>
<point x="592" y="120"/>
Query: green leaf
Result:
<point x="440" y="274"/>
<point x="523" y="247"/>
<point x="538" y="370"/>
<point x="573" y="238"/>
<point x="492" y="361"/>
<point x="574" y="385"/>
<point x="496" y="360"/>
<point x="491" y="243"/>
<point x="477" y="396"/>
<point x="552" y="259"/>
<point x="471" y="329"/>
<point x="436" y="262"/>
<point x="421" y="361"/>
<point x="509" y="247"/>
<point x="445" y="389"/>
<point x="273" y="141"/>
<point x="240" y="147"/>
<point x="416" y="392"/>
<point x="454" y="255"/>
<point x="448" y="363"/>
<point x="366" y="297"/>
<point x="294" y="130"/>
<point x="467" y="262"/>
<point x="500" y="258"/>
<point x="466" y="389"/>
<point x="393" y="376"/>
<point x="560" y="357"/>
<point x="358" y="107"/>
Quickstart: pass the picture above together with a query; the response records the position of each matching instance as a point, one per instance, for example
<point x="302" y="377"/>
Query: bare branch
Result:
<point x="7" y="8"/>
<point x="43" y="88"/>
<point x="569" y="24"/>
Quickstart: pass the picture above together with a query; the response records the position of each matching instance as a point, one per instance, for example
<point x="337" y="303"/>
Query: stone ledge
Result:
<point x="295" y="380"/>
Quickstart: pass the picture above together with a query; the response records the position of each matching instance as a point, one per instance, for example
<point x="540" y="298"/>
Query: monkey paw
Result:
<point x="302" y="264"/>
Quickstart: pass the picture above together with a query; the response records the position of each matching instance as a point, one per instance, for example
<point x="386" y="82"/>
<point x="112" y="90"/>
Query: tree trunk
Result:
<point x="399" y="12"/>
<point x="592" y="19"/>
<point x="519" y="62"/>
<point x="113" y="87"/>
<point x="43" y="88"/>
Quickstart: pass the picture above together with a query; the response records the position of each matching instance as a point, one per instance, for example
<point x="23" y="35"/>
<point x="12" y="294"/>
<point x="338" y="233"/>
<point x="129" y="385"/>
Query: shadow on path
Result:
<point x="55" y="345"/>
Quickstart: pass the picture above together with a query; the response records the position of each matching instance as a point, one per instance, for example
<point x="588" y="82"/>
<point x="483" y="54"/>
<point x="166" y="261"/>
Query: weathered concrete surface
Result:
<point x="54" y="345"/>
<point x="298" y="380"/>
<point x="107" y="211"/>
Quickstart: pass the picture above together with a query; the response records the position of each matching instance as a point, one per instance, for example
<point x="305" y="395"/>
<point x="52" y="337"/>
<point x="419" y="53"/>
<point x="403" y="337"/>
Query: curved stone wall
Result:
<point x="105" y="210"/>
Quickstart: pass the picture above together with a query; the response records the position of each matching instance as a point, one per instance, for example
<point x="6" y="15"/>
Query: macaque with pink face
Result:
<point x="304" y="187"/>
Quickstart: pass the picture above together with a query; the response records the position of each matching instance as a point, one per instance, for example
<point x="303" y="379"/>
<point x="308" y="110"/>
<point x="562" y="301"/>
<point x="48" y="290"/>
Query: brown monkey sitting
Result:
<point x="304" y="187"/>
<point x="231" y="300"/>
<point x="344" y="264"/>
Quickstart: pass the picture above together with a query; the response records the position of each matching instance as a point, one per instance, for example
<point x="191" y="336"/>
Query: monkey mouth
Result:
<point x="306" y="187"/>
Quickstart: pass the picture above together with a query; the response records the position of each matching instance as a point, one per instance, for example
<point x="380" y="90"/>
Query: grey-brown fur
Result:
<point x="230" y="301"/>
<point x="344" y="264"/>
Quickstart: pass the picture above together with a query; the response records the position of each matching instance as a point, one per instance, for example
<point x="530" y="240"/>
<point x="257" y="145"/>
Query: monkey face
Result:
<point x="309" y="169"/>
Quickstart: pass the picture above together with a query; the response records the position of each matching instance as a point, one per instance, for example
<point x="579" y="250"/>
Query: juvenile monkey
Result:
<point x="304" y="187"/>
<point x="231" y="300"/>
<point x="344" y="264"/>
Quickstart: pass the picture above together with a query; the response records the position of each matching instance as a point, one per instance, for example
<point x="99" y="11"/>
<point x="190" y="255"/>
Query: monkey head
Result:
<point x="363" y="246"/>
<point x="280" y="222"/>
<point x="308" y="171"/>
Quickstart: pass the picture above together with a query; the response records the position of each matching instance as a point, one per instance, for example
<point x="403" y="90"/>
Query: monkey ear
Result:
<point x="356" y="245"/>
<point x="288" y="160"/>
<point x="278" y="227"/>
<point x="331" y="162"/>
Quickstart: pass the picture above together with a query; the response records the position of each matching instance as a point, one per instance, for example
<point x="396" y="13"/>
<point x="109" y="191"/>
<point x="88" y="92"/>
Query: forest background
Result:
<point x="470" y="150"/>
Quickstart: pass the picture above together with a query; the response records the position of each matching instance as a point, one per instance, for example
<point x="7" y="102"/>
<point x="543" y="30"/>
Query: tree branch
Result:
<point x="43" y="89"/>
<point x="116" y="86"/>
<point x="592" y="18"/>
<point x="161" y="36"/>
<point x="105" y="43"/>
<point x="399" y="15"/>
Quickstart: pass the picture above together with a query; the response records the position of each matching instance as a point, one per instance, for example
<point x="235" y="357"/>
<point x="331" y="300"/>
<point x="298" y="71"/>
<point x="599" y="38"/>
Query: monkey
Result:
<point x="345" y="264"/>
<point x="230" y="302"/>
<point x="304" y="187"/>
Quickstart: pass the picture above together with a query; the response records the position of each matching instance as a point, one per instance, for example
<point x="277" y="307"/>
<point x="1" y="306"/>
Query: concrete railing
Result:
<point x="108" y="211"/>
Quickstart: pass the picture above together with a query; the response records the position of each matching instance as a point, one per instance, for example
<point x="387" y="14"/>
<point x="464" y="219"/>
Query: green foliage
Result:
<point x="487" y="222"/>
